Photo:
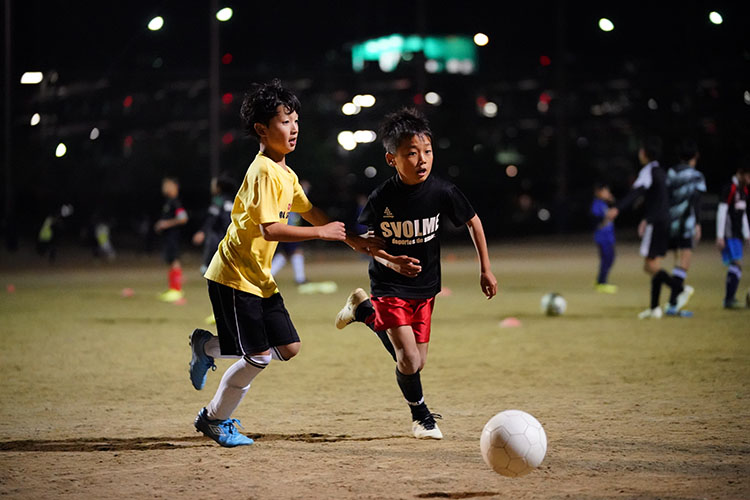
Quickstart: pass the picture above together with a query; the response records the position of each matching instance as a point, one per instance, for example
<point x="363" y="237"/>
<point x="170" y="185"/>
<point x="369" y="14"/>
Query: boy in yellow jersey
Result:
<point x="252" y="323"/>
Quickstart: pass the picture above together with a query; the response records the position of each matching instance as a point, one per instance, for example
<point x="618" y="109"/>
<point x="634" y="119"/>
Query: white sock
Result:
<point x="277" y="263"/>
<point x="234" y="385"/>
<point x="298" y="264"/>
<point x="275" y="354"/>
<point x="213" y="349"/>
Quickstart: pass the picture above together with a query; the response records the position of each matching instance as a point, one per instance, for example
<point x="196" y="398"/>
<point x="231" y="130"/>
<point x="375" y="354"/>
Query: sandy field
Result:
<point x="96" y="400"/>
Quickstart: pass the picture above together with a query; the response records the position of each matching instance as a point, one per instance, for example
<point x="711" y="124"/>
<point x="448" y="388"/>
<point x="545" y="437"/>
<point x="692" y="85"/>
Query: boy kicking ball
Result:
<point x="406" y="212"/>
<point x="252" y="322"/>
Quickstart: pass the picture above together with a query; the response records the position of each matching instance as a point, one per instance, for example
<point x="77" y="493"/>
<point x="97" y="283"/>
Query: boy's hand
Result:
<point x="160" y="226"/>
<point x="698" y="233"/>
<point x="366" y="244"/>
<point x="488" y="282"/>
<point x="403" y="264"/>
<point x="199" y="238"/>
<point x="720" y="243"/>
<point x="612" y="214"/>
<point x="333" y="231"/>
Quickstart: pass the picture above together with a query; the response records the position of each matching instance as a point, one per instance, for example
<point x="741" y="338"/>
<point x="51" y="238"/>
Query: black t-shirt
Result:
<point x="172" y="209"/>
<point x="651" y="183"/>
<point x="409" y="219"/>
<point x="736" y="198"/>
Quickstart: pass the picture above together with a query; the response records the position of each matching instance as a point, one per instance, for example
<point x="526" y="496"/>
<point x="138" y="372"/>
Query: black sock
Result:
<point x="411" y="388"/>
<point x="733" y="282"/>
<point x="364" y="312"/>
<point x="678" y="281"/>
<point x="656" y="282"/>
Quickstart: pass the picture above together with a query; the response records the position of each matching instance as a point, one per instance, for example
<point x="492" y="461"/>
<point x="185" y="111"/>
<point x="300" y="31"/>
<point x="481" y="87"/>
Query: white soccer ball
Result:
<point x="553" y="304"/>
<point x="513" y="443"/>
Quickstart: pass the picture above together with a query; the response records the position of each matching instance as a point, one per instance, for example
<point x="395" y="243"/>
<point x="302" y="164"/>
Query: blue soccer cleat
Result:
<point x="223" y="432"/>
<point x="201" y="362"/>
<point x="678" y="313"/>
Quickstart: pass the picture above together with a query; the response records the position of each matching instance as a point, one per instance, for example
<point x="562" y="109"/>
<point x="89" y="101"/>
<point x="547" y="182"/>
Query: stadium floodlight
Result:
<point x="32" y="77"/>
<point x="156" y="23"/>
<point x="481" y="39"/>
<point x="715" y="17"/>
<point x="606" y="25"/>
<point x="94" y="134"/>
<point x="489" y="109"/>
<point x="224" y="14"/>
<point x="35" y="119"/>
<point x="60" y="150"/>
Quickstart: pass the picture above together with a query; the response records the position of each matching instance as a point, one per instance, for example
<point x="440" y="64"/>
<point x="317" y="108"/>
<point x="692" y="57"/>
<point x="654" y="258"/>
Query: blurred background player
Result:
<point x="604" y="236"/>
<point x="407" y="211"/>
<point x="218" y="217"/>
<point x="685" y="185"/>
<point x="292" y="250"/>
<point x="651" y="183"/>
<point x="173" y="217"/>
<point x="46" y="241"/>
<point x="252" y="321"/>
<point x="731" y="228"/>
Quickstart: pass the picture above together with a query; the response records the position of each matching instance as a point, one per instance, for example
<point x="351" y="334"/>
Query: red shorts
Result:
<point x="391" y="312"/>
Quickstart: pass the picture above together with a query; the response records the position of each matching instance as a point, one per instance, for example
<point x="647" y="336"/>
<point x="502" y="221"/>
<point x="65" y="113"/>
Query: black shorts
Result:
<point x="171" y="246"/>
<point x="655" y="240"/>
<point x="248" y="324"/>
<point x="678" y="243"/>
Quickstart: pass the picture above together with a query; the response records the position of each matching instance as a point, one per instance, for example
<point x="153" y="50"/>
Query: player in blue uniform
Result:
<point x="604" y="236"/>
<point x="731" y="228"/>
<point x="408" y="212"/>
<point x="651" y="184"/>
<point x="685" y="185"/>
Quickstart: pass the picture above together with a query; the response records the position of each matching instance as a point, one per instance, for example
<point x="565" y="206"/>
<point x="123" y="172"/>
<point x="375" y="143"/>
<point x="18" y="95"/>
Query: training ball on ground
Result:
<point x="553" y="304"/>
<point x="513" y="443"/>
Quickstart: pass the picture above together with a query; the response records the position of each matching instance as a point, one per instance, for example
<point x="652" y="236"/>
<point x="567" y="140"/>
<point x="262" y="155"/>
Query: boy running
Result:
<point x="651" y="184"/>
<point x="731" y="228"/>
<point x="252" y="322"/>
<point x="407" y="212"/>
<point x="173" y="217"/>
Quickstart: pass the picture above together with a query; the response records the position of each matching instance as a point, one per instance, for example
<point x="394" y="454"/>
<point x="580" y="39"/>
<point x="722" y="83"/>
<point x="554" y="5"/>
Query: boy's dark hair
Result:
<point x="687" y="149"/>
<point x="261" y="103"/>
<point x="600" y="184"/>
<point x="652" y="146"/>
<point x="402" y="125"/>
<point x="170" y="178"/>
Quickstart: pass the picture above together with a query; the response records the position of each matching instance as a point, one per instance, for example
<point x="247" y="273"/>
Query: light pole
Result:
<point x="213" y="91"/>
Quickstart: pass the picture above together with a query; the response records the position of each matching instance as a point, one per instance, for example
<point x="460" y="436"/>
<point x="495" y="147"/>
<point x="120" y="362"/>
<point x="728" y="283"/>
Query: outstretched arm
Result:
<point x="318" y="218"/>
<point x="487" y="280"/>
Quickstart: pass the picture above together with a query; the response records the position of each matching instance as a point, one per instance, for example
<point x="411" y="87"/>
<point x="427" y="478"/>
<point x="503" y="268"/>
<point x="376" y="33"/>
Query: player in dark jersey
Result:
<point x="731" y="228"/>
<point x="173" y="217"/>
<point x="408" y="212"/>
<point x="218" y="218"/>
<point x="651" y="184"/>
<point x="685" y="185"/>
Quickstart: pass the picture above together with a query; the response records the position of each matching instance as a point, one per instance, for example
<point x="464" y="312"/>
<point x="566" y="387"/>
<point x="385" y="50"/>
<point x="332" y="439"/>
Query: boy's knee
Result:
<point x="289" y="351"/>
<point x="410" y="363"/>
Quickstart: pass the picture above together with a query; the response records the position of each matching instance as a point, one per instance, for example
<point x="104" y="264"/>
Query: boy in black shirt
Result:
<point x="406" y="212"/>
<point x="652" y="185"/>
<point x="173" y="216"/>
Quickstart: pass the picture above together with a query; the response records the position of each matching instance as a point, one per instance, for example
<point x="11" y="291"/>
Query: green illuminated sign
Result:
<point x="454" y="54"/>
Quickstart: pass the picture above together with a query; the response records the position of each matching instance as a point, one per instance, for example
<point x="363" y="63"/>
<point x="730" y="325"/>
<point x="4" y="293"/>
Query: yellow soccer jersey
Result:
<point x="243" y="260"/>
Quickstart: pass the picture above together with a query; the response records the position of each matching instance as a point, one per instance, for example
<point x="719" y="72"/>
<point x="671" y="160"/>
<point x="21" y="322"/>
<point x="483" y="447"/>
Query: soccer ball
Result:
<point x="513" y="443"/>
<point x="553" y="304"/>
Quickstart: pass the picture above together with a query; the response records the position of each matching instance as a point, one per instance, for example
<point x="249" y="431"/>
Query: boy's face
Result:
<point x="603" y="193"/>
<point x="412" y="159"/>
<point x="169" y="189"/>
<point x="280" y="134"/>
<point x="642" y="157"/>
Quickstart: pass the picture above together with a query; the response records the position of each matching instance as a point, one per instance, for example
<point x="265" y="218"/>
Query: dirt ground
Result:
<point x="96" y="400"/>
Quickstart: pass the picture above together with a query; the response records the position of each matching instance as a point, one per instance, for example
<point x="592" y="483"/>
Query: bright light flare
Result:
<point x="61" y="150"/>
<point x="481" y="39"/>
<point x="433" y="98"/>
<point x="224" y="14"/>
<point x="35" y="119"/>
<point x="365" y="136"/>
<point x="489" y="109"/>
<point x="350" y="109"/>
<point x="364" y="101"/>
<point x="715" y="17"/>
<point x="606" y="25"/>
<point x="156" y="23"/>
<point x="94" y="134"/>
<point x="346" y="140"/>
<point x="32" y="77"/>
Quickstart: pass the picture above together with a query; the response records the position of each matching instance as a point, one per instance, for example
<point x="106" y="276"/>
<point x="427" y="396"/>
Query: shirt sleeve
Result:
<point x="263" y="199"/>
<point x="300" y="203"/>
<point x="457" y="207"/>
